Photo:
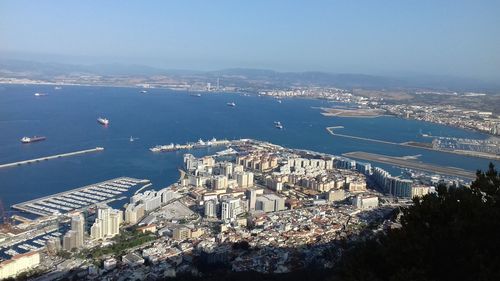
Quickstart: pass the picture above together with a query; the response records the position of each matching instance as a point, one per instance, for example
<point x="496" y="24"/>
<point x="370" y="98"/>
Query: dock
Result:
<point x="46" y="158"/>
<point x="80" y="198"/>
<point x="411" y="164"/>
<point x="190" y="145"/>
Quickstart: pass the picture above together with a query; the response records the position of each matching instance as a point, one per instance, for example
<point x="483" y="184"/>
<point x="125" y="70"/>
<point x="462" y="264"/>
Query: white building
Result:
<point x="252" y="199"/>
<point x="244" y="179"/>
<point x="18" y="264"/>
<point x="270" y="203"/>
<point x="107" y="223"/>
<point x="365" y="202"/>
<point x="211" y="208"/>
<point x="219" y="182"/>
<point x="134" y="213"/>
<point x="230" y="208"/>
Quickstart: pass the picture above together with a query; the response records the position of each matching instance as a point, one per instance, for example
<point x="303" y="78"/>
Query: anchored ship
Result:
<point x="32" y="139"/>
<point x="103" y="121"/>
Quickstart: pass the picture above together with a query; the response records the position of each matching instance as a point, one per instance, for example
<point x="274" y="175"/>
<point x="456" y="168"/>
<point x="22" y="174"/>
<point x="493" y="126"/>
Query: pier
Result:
<point x="190" y="145"/>
<point x="46" y="158"/>
<point x="80" y="198"/>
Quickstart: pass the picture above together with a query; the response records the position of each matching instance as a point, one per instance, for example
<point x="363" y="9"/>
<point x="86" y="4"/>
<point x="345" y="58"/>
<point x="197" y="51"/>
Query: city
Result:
<point x="256" y="207"/>
<point x="249" y="140"/>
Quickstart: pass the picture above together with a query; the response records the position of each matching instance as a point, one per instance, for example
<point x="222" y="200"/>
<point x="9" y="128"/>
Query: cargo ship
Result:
<point x="103" y="121"/>
<point x="32" y="139"/>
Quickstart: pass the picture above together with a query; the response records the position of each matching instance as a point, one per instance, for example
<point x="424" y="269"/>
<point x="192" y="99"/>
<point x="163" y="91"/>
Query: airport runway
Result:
<point x="411" y="164"/>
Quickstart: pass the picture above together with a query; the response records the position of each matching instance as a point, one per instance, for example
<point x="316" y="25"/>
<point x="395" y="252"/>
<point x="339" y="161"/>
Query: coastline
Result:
<point x="408" y="144"/>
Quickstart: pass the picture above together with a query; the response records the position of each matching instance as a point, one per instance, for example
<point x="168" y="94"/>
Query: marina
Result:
<point x="80" y="198"/>
<point x="31" y="161"/>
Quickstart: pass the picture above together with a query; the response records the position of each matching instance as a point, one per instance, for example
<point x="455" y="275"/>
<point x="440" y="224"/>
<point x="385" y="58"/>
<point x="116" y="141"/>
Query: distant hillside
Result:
<point x="248" y="77"/>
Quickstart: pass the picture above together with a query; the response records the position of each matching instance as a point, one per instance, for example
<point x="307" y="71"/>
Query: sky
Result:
<point x="391" y="37"/>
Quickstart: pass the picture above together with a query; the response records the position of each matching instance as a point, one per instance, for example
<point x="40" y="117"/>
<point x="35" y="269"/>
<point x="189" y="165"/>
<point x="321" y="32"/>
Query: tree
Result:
<point x="452" y="235"/>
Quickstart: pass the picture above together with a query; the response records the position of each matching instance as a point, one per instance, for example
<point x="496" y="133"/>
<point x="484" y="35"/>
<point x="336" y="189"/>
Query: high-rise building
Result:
<point x="210" y="209"/>
<point x="190" y="162"/>
<point x="365" y="168"/>
<point x="244" y="179"/>
<point x="53" y="245"/>
<point x="226" y="169"/>
<point x="107" y="223"/>
<point x="230" y="208"/>
<point x="396" y="186"/>
<point x="96" y="230"/>
<point x="69" y="240"/>
<point x="78" y="225"/>
<point x="219" y="182"/>
<point x="345" y="163"/>
<point x="134" y="213"/>
<point x="270" y="203"/>
<point x="252" y="197"/>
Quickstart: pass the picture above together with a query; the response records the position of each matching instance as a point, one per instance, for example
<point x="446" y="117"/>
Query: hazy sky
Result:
<point x="397" y="37"/>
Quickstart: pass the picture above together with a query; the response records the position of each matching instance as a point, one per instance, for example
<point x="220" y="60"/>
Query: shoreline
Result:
<point x="407" y="144"/>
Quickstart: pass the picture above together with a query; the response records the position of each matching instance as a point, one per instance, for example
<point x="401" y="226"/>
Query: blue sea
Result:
<point x="67" y="117"/>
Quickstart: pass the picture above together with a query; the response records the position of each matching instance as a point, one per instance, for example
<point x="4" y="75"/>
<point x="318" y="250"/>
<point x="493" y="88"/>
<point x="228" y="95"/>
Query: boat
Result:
<point x="279" y="101"/>
<point x="57" y="88"/>
<point x="103" y="121"/>
<point x="231" y="104"/>
<point x="40" y="94"/>
<point x="32" y="139"/>
<point x="144" y="92"/>
<point x="278" y="125"/>
<point x="196" y="95"/>
<point x="131" y="139"/>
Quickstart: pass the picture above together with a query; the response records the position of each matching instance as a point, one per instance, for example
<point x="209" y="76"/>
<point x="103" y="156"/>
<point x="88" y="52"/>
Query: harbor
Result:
<point x="79" y="198"/>
<point x="31" y="161"/>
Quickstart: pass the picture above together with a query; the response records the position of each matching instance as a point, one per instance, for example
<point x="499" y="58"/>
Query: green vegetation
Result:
<point x="452" y="235"/>
<point x="64" y="254"/>
<point x="125" y="240"/>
